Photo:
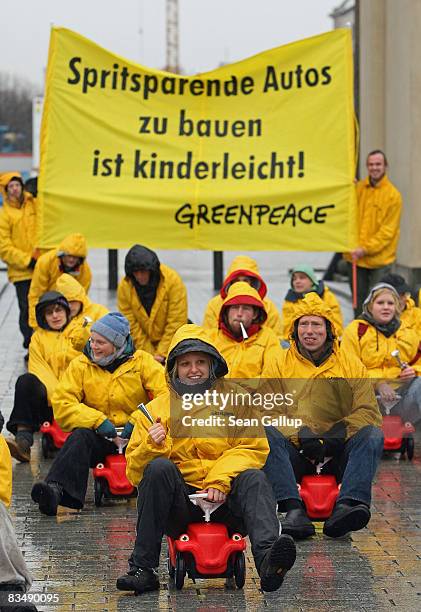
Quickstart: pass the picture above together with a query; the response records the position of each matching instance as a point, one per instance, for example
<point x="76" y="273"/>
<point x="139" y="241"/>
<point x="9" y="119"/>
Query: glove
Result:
<point x="334" y="439"/>
<point x="127" y="431"/>
<point x="311" y="444"/>
<point x="1" y="421"/>
<point x="106" y="429"/>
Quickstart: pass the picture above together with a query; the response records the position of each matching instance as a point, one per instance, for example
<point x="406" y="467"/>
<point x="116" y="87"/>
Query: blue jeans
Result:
<point x="355" y="468"/>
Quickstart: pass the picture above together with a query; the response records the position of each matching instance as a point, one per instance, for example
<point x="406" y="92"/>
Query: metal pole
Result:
<point x="218" y="269"/>
<point x="112" y="269"/>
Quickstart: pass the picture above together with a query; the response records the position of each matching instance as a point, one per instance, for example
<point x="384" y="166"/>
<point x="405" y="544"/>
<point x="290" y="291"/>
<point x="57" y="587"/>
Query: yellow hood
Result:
<point x="71" y="289"/>
<point x="242" y="293"/>
<point x="242" y="262"/>
<point x="190" y="338"/>
<point x="311" y="304"/>
<point x="5" y="179"/>
<point x="74" y="244"/>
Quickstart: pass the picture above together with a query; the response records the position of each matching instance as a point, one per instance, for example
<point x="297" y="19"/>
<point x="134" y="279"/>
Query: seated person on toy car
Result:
<point x="373" y="337"/>
<point x="168" y="465"/>
<point x="337" y="417"/>
<point x="99" y="391"/>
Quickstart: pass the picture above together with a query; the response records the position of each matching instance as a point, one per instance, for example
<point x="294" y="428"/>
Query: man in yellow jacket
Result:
<point x="242" y="338"/>
<point x="18" y="242"/>
<point x="70" y="258"/>
<point x="154" y="299"/>
<point x="99" y="391"/>
<point x="243" y="269"/>
<point x="168" y="466"/>
<point x="337" y="424"/>
<point x="379" y="213"/>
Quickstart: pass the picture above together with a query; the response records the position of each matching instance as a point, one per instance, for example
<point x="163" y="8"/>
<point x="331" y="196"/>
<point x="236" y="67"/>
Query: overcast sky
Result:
<point x="211" y="31"/>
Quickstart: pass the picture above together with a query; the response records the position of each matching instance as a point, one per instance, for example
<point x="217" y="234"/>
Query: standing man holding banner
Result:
<point x="379" y="213"/>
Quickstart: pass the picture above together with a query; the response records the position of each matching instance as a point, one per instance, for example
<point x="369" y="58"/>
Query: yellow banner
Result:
<point x="257" y="155"/>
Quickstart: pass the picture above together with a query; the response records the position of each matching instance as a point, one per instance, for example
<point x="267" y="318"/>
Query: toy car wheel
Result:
<point x="171" y="569"/>
<point x="240" y="570"/>
<point x="410" y="445"/>
<point x="180" y="571"/>
<point x="98" y="492"/>
<point x="45" y="445"/>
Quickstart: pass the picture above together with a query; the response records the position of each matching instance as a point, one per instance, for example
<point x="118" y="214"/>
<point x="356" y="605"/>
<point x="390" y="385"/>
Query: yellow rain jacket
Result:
<point x="17" y="232"/>
<point x="5" y="471"/>
<point x="289" y="310"/>
<point x="47" y="271"/>
<point x="88" y="394"/>
<point x="349" y="396"/>
<point x="50" y="352"/>
<point x="203" y="462"/>
<point x="79" y="331"/>
<point x="246" y="358"/>
<point x="411" y="316"/>
<point x="379" y="214"/>
<point x="374" y="348"/>
<point x="242" y="266"/>
<point x="153" y="332"/>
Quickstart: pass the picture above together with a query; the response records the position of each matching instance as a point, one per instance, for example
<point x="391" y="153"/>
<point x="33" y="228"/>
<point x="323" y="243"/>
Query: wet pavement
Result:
<point x="77" y="556"/>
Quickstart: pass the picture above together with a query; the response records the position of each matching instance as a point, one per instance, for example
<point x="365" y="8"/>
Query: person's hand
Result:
<point x="311" y="444"/>
<point x="386" y="392"/>
<point x="159" y="359"/>
<point x="334" y="439"/>
<point x="214" y="495"/>
<point x="358" y="253"/>
<point x="407" y="373"/>
<point x="157" y="432"/>
<point x="106" y="429"/>
<point x="127" y="431"/>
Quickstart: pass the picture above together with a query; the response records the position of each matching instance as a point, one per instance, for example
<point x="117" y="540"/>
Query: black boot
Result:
<point x="48" y="495"/>
<point x="20" y="445"/>
<point x="297" y="524"/>
<point x="278" y="560"/>
<point x="139" y="580"/>
<point x="345" y="518"/>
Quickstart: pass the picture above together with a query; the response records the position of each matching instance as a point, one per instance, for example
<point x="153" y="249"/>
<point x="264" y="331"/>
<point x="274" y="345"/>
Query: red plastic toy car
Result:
<point x="319" y="493"/>
<point x="398" y="436"/>
<point x="53" y="438"/>
<point x="110" y="480"/>
<point x="207" y="551"/>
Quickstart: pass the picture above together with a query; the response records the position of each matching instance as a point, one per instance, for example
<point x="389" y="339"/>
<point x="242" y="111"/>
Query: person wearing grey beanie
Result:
<point x="99" y="393"/>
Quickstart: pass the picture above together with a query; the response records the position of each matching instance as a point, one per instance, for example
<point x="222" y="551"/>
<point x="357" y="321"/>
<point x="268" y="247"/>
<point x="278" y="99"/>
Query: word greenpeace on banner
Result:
<point x="266" y="144"/>
<point x="220" y="400"/>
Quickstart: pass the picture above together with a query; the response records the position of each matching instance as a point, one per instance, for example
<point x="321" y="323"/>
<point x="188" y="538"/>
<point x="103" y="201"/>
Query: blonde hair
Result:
<point x="392" y="292"/>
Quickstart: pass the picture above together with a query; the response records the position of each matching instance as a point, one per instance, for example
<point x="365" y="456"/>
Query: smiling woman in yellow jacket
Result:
<point x="154" y="299"/>
<point x="99" y="391"/>
<point x="374" y="336"/>
<point x="225" y="465"/>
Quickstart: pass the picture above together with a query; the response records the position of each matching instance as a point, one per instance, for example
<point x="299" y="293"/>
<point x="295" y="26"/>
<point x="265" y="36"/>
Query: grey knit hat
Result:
<point x="114" y="327"/>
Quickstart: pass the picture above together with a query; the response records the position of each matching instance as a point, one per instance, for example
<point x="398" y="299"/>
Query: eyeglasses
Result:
<point x="54" y="309"/>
